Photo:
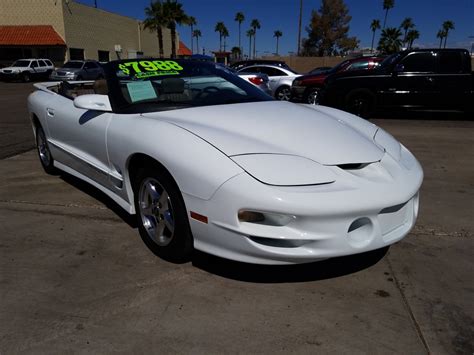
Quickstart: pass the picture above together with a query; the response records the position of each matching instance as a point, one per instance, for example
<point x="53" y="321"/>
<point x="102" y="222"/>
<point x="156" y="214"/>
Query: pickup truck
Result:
<point x="417" y="79"/>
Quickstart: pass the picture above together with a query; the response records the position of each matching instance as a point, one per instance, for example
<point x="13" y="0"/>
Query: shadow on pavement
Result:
<point x="321" y="270"/>
<point x="425" y="115"/>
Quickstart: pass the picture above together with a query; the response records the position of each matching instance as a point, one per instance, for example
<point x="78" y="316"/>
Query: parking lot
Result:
<point x="76" y="277"/>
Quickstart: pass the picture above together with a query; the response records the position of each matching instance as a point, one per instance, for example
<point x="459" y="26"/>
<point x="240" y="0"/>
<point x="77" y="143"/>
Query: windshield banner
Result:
<point x="146" y="68"/>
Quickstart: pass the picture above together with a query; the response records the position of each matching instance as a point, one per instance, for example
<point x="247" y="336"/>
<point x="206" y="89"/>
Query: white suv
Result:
<point x="27" y="69"/>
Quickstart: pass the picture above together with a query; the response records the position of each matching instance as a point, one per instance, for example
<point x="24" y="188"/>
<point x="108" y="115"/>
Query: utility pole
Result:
<point x="299" y="27"/>
<point x="95" y="4"/>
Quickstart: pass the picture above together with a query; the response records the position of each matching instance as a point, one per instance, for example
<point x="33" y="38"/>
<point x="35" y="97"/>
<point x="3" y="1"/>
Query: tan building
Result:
<point x="87" y="32"/>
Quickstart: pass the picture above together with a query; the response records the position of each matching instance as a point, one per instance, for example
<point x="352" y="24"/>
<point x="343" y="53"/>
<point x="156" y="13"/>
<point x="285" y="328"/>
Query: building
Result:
<point x="64" y="29"/>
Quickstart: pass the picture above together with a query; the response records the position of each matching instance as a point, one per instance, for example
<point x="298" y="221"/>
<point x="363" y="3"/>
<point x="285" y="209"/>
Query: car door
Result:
<point x="35" y="69"/>
<point x="88" y="70"/>
<point x="415" y="81"/>
<point x="78" y="138"/>
<point x="275" y="76"/>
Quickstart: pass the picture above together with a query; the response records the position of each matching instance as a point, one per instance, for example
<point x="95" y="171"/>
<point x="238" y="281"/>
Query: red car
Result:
<point x="305" y="88"/>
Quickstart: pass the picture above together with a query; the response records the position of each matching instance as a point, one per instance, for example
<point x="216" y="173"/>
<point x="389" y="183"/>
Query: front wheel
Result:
<point x="25" y="77"/>
<point x="44" y="154"/>
<point x="360" y="103"/>
<point x="283" y="93"/>
<point x="161" y="215"/>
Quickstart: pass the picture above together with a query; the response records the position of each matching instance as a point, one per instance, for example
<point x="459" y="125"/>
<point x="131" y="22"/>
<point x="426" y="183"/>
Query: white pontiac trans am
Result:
<point x="207" y="161"/>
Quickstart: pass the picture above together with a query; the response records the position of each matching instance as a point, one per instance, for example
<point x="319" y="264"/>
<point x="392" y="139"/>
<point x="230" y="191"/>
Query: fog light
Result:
<point x="251" y="216"/>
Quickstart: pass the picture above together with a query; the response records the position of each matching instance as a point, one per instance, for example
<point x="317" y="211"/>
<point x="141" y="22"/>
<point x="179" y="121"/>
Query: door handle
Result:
<point x="50" y="112"/>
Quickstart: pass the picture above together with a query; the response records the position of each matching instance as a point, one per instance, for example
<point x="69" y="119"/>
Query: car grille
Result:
<point x="7" y="71"/>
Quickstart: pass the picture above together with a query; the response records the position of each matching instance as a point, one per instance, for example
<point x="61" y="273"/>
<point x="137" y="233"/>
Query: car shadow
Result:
<point x="425" y="115"/>
<point x="315" y="271"/>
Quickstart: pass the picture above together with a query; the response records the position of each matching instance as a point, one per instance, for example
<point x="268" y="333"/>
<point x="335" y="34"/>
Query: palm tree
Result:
<point x="225" y="34"/>
<point x="374" y="26"/>
<point x="407" y="24"/>
<point x="174" y="15"/>
<point x="441" y="34"/>
<point x="197" y="34"/>
<point x="250" y="34"/>
<point x="411" y="36"/>
<point x="390" y="41"/>
<point x="219" y="28"/>
<point x="447" y="26"/>
<point x="299" y="27"/>
<point x="154" y="21"/>
<point x="191" y="23"/>
<point x="255" y="24"/>
<point x="387" y="5"/>
<point x="277" y="34"/>
<point x="239" y="17"/>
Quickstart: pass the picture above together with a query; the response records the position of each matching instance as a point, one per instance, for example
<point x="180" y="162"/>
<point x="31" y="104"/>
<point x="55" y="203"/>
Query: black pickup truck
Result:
<point x="419" y="79"/>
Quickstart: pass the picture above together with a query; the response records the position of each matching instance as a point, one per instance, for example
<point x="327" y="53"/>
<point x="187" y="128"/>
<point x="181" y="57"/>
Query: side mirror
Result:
<point x="93" y="102"/>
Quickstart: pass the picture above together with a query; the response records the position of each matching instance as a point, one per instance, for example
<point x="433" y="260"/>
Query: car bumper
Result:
<point x="61" y="77"/>
<point x="9" y="76"/>
<point x="351" y="216"/>
<point x="298" y="93"/>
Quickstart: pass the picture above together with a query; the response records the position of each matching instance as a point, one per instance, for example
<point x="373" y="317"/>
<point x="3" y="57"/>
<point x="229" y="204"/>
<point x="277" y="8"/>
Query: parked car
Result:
<point x="205" y="160"/>
<point x="246" y="63"/>
<point x="306" y="88"/>
<point x="417" y="79"/>
<point x="258" y="79"/>
<point x="280" y="79"/>
<point x="78" y="70"/>
<point x="27" y="70"/>
<point x="319" y="70"/>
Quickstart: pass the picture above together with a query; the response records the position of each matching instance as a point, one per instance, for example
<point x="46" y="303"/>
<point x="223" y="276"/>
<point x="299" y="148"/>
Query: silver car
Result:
<point x="78" y="70"/>
<point x="280" y="79"/>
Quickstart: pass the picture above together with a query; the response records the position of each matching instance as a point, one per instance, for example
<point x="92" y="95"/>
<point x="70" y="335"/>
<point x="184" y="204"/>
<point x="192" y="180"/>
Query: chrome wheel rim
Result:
<point x="43" y="149"/>
<point x="156" y="211"/>
<point x="313" y="97"/>
<point x="284" y="94"/>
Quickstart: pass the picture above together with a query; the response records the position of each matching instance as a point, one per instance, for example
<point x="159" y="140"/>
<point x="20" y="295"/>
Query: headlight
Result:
<point x="297" y="83"/>
<point x="284" y="170"/>
<point x="387" y="142"/>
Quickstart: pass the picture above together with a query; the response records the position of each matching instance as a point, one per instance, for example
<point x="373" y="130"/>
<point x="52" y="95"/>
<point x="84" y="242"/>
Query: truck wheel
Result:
<point x="360" y="102"/>
<point x="161" y="215"/>
<point x="25" y="77"/>
<point x="312" y="97"/>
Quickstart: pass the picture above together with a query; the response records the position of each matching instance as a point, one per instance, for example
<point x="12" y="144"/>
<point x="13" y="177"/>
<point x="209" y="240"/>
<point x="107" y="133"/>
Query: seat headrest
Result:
<point x="172" y="86"/>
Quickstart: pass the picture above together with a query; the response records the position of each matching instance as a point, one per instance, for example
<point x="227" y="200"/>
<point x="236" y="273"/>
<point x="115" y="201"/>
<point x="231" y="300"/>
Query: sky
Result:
<point x="428" y="15"/>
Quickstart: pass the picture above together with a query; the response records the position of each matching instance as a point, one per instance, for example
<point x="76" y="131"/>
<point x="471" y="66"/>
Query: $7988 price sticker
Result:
<point x="144" y="66"/>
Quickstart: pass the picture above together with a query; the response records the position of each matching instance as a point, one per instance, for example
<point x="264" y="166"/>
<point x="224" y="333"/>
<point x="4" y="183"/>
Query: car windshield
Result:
<point x="159" y="85"/>
<point x="336" y="68"/>
<point x="73" y="65"/>
<point x="389" y="60"/>
<point x="21" y="63"/>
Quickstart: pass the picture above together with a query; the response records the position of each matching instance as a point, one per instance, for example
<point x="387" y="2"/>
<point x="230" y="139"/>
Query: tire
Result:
<point x="44" y="154"/>
<point x="79" y="78"/>
<point x="312" y="97"/>
<point x="161" y="215"/>
<point x="25" y="77"/>
<point x="360" y="102"/>
<point x="283" y="93"/>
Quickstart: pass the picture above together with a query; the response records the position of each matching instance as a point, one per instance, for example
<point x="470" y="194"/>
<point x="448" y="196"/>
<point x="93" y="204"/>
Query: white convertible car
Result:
<point x="208" y="161"/>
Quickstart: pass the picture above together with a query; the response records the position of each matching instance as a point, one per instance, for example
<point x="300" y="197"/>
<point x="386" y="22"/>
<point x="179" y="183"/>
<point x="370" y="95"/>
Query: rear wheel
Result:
<point x="25" y="77"/>
<point x="44" y="154"/>
<point x="360" y="103"/>
<point x="313" y="96"/>
<point x="79" y="78"/>
<point x="283" y="93"/>
<point x="161" y="215"/>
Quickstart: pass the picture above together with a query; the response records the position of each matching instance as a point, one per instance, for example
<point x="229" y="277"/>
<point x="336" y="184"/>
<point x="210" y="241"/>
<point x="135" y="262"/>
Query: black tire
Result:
<point x="44" y="154"/>
<point x="159" y="206"/>
<point x="312" y="96"/>
<point x="79" y="78"/>
<point x="25" y="77"/>
<point x="360" y="102"/>
<point x="283" y="93"/>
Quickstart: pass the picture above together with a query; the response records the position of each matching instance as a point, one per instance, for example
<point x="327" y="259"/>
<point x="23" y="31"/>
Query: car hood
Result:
<point x="279" y="128"/>
<point x="15" y="68"/>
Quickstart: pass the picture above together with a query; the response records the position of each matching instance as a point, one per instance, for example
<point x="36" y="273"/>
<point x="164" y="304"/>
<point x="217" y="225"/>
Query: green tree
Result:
<point x="328" y="30"/>
<point x="236" y="53"/>
<point x="174" y="15"/>
<point x="390" y="41"/>
<point x="240" y="17"/>
<point x="407" y="24"/>
<point x="220" y="28"/>
<point x="154" y="21"/>
<point x="447" y="26"/>
<point x="374" y="26"/>
<point x="197" y="34"/>
<point x="411" y="36"/>
<point x="387" y="5"/>
<point x="441" y="34"/>
<point x="191" y="23"/>
<point x="277" y="34"/>
<point x="255" y="24"/>
<point x="250" y="33"/>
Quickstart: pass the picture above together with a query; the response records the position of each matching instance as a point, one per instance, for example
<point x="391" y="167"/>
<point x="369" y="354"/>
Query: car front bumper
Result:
<point x="298" y="93"/>
<point x="351" y="216"/>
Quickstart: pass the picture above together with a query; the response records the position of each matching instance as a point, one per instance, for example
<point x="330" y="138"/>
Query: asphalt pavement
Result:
<point x="76" y="278"/>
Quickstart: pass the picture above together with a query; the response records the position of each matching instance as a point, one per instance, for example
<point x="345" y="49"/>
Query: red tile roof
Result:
<point x="183" y="50"/>
<point x="30" y="36"/>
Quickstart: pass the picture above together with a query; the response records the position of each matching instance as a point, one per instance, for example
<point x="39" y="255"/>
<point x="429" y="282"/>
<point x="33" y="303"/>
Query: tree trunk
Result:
<point x="372" y="45"/>
<point x="254" y="43"/>
<point x="192" y="40"/>
<point x="277" y="47"/>
<point x="173" y="40"/>
<point x="159" y="32"/>
<point x="220" y="41"/>
<point x="197" y="44"/>
<point x="445" y="39"/>
<point x="240" y="47"/>
<point x="250" y="47"/>
<point x="385" y="20"/>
